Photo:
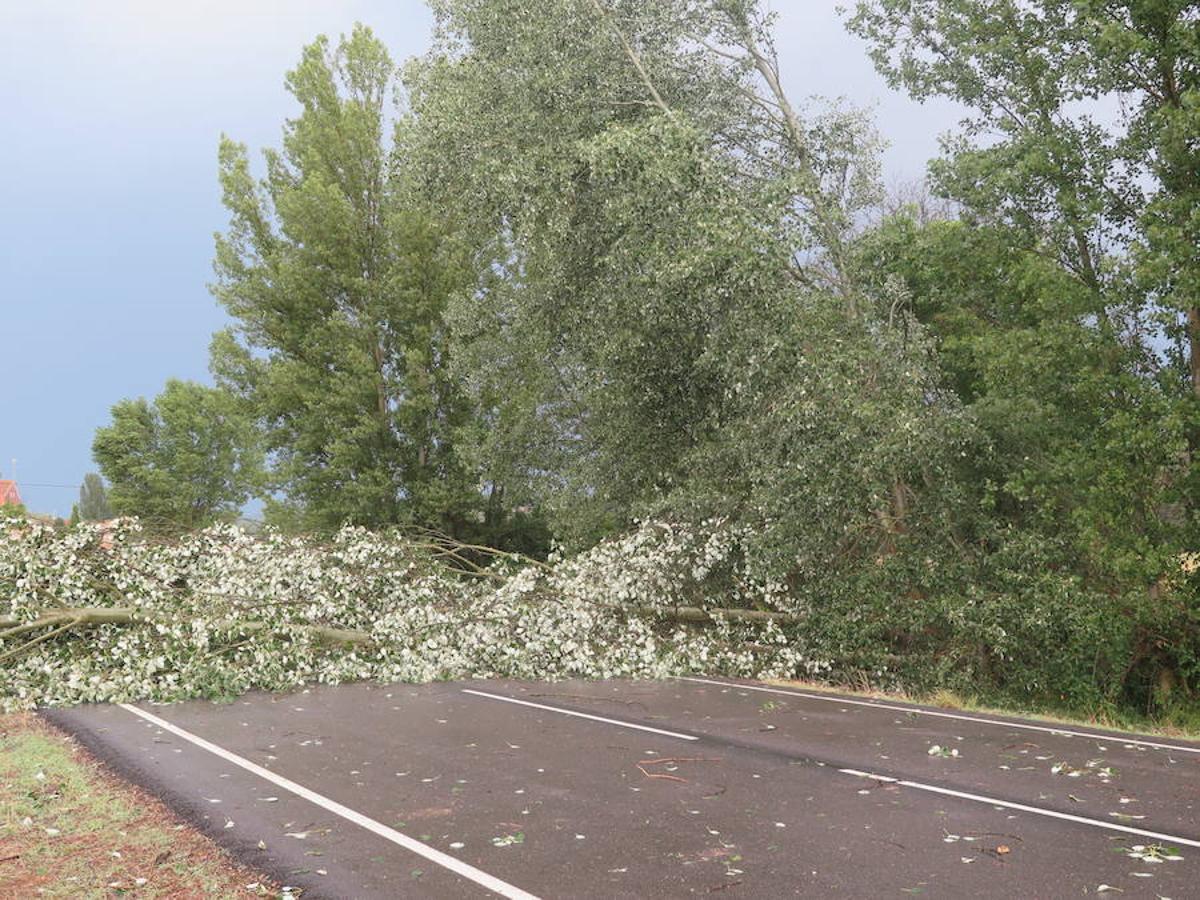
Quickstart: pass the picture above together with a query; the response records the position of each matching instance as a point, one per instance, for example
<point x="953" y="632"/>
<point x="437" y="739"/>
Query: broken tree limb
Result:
<point x="708" y="616"/>
<point x="82" y="615"/>
<point x="63" y="619"/>
<point x="324" y="633"/>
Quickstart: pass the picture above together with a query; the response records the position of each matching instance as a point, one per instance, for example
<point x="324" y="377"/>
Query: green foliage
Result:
<point x="1001" y="622"/>
<point x="1079" y="438"/>
<point x="337" y="281"/>
<point x="12" y="512"/>
<point x="839" y="441"/>
<point x="1111" y="198"/>
<point x="656" y="310"/>
<point x="189" y="458"/>
<point x="1065" y="304"/>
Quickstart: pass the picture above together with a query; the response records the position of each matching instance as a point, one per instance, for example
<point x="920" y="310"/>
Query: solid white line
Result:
<point x="458" y="867"/>
<point x="1036" y="810"/>
<point x="579" y="715"/>
<point x="946" y="715"/>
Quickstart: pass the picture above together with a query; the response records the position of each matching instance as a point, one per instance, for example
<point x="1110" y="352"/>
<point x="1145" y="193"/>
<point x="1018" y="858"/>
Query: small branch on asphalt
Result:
<point x="672" y="760"/>
<point x="661" y="775"/>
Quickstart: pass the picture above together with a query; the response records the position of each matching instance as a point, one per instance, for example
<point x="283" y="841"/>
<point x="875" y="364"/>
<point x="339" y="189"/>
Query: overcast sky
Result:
<point x="109" y="196"/>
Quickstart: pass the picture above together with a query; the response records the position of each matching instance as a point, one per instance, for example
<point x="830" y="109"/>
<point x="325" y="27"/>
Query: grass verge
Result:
<point x="945" y="699"/>
<point x="69" y="829"/>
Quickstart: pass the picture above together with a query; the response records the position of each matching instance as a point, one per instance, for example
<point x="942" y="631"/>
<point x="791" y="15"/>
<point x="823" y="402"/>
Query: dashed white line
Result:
<point x="844" y="701"/>
<point x="580" y="715"/>
<point x="915" y="785"/>
<point x="458" y="867"/>
<point x="1036" y="810"/>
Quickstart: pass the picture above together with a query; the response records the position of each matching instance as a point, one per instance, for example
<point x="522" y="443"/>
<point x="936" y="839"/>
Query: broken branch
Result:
<point x="61" y="620"/>
<point x="707" y="616"/>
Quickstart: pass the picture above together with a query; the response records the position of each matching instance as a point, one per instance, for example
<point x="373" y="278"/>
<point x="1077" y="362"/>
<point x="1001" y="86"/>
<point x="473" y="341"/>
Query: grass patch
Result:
<point x="1177" y="727"/>
<point x="69" y="829"/>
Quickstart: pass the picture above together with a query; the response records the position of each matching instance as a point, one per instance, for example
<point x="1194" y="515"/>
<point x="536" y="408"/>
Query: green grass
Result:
<point x="1183" y="724"/>
<point x="67" y="829"/>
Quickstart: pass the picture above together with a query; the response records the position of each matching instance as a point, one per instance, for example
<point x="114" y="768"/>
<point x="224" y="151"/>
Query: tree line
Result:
<point x="598" y="267"/>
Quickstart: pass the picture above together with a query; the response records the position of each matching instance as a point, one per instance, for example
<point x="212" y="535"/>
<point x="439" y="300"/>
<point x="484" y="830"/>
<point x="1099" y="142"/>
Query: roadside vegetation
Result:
<point x="113" y="613"/>
<point x="68" y="829"/>
<point x="599" y="294"/>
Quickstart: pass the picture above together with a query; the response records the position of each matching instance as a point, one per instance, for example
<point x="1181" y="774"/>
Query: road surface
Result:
<point x="686" y="787"/>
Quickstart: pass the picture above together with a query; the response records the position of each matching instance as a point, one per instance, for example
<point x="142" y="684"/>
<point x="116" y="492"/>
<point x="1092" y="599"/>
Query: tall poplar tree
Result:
<point x="337" y="282"/>
<point x="93" y="499"/>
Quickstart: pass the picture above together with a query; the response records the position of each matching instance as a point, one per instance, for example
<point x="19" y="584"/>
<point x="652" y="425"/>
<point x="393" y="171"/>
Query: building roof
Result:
<point x="9" y="492"/>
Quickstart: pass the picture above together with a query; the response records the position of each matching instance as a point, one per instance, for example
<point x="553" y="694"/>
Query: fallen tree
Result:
<point x="89" y="615"/>
<point x="51" y="624"/>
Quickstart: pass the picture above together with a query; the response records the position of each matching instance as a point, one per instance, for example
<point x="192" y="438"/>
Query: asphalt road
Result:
<point x="660" y="789"/>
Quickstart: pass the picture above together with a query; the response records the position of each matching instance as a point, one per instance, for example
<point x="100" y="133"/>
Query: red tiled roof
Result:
<point x="9" y="492"/>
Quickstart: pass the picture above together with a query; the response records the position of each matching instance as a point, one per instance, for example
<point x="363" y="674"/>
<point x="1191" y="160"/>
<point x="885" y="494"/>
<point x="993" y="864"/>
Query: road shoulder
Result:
<point x="69" y="828"/>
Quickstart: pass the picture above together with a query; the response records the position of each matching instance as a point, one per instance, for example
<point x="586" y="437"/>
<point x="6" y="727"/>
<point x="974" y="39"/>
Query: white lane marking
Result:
<point x="579" y="715"/>
<point x="915" y="785"/>
<point x="1036" y="810"/>
<point x="1116" y="738"/>
<point x="458" y="867"/>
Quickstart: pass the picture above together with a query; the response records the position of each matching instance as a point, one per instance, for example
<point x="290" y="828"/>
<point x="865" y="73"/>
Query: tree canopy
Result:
<point x="187" y="459"/>
<point x="336" y="278"/>
<point x="666" y="282"/>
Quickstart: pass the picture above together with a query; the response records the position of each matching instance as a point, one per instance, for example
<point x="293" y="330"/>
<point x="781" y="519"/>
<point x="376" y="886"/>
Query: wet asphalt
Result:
<point x="733" y="789"/>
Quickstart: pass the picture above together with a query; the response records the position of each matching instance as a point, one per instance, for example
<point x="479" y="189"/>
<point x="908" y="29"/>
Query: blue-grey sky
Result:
<point x="109" y="199"/>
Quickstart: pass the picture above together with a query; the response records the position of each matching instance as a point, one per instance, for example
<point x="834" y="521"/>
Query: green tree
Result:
<point x="93" y="503"/>
<point x="1083" y="146"/>
<point x="1079" y="172"/>
<point x="337" y="280"/>
<point x="664" y="242"/>
<point x="187" y="459"/>
<point x="1078" y="436"/>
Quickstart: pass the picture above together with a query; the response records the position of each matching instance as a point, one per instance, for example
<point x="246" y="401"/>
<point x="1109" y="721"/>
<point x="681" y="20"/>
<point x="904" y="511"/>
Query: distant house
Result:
<point x="9" y="493"/>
